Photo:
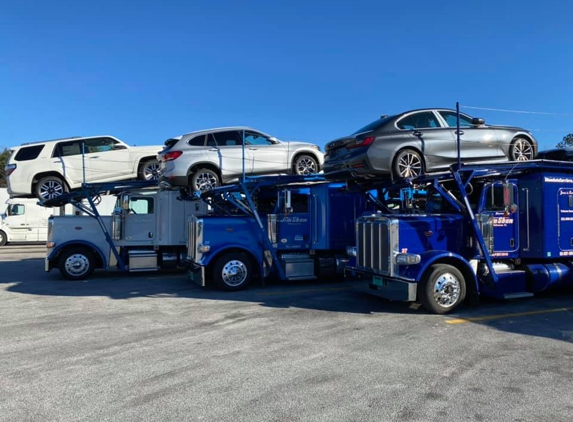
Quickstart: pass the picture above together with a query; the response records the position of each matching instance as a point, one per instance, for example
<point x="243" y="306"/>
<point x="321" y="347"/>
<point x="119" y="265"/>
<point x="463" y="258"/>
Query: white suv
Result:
<point x="48" y="169"/>
<point x="208" y="158"/>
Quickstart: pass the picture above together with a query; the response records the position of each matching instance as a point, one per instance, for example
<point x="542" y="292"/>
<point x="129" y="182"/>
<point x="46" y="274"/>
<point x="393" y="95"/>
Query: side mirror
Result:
<point x="273" y="140"/>
<point x="117" y="147"/>
<point x="508" y="199"/>
<point x="476" y="121"/>
<point x="125" y="202"/>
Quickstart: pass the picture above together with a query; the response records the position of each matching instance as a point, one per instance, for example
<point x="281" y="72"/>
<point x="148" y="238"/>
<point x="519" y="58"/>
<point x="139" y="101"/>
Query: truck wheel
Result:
<point x="305" y="165"/>
<point x="149" y="170"/>
<point x="204" y="180"/>
<point x="442" y="289"/>
<point x="76" y="264"/>
<point x="232" y="271"/>
<point x="3" y="238"/>
<point x="50" y="187"/>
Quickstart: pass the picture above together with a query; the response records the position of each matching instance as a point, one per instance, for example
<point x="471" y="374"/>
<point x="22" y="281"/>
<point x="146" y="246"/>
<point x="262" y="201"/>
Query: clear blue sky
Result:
<point x="146" y="70"/>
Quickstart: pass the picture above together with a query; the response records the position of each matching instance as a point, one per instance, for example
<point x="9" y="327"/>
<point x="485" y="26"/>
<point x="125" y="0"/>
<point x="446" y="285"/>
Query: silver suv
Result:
<point x="208" y="158"/>
<point x="49" y="168"/>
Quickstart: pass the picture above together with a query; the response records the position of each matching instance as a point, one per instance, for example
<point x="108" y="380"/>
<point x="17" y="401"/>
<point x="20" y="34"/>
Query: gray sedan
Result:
<point x="420" y="141"/>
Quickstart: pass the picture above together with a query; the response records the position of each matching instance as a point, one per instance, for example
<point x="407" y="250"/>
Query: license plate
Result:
<point x="377" y="281"/>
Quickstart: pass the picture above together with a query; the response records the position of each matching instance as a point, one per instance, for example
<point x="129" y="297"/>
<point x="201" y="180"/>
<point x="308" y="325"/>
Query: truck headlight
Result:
<point x="50" y="245"/>
<point x="407" y="259"/>
<point x="351" y="251"/>
<point x="203" y="248"/>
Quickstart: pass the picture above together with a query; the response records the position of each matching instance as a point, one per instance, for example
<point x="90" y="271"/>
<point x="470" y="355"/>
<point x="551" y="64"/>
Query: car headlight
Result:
<point x="316" y="147"/>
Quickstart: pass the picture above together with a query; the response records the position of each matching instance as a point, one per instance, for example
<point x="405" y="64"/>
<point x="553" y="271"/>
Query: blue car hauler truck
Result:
<point x="292" y="227"/>
<point x="502" y="230"/>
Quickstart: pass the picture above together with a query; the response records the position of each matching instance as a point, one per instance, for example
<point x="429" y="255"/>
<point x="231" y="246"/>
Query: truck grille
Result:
<point x="192" y="239"/>
<point x="374" y="252"/>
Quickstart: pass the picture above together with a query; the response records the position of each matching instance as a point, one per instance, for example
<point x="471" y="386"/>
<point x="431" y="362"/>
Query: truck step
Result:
<point x="302" y="277"/>
<point x="517" y="295"/>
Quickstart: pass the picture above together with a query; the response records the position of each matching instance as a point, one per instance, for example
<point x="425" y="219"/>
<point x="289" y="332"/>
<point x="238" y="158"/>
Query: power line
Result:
<point x="518" y="111"/>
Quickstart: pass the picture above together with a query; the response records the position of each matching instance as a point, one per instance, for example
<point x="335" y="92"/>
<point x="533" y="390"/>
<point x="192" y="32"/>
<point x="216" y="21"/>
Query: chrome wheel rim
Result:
<point x="305" y="166"/>
<point x="447" y="289"/>
<point x="409" y="165"/>
<point x="77" y="265"/>
<point x="234" y="273"/>
<point x="151" y="171"/>
<point x="51" y="189"/>
<point x="522" y="150"/>
<point x="205" y="182"/>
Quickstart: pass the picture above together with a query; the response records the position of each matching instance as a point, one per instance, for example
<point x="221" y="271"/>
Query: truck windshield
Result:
<point x="15" y="209"/>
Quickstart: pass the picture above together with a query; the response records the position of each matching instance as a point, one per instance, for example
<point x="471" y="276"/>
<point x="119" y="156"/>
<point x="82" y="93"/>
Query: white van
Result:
<point x="24" y="220"/>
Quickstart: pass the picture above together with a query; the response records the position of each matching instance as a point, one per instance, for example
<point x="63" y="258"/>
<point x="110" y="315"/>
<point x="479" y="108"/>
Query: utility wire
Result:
<point x="518" y="111"/>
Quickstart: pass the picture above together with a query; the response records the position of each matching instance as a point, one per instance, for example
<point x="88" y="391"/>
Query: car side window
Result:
<point x="66" y="149"/>
<point x="228" y="139"/>
<point x="256" y="139"/>
<point x="16" y="209"/>
<point x="198" y="141"/>
<point x="28" y="153"/>
<point x="451" y="120"/>
<point x="98" y="145"/>
<point x="421" y="120"/>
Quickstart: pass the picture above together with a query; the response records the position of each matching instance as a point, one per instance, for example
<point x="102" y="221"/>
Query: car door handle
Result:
<point x="461" y="132"/>
<point x="417" y="133"/>
<point x="253" y="149"/>
<point x="94" y="156"/>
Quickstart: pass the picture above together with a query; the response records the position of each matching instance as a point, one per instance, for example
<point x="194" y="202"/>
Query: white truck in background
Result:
<point x="23" y="220"/>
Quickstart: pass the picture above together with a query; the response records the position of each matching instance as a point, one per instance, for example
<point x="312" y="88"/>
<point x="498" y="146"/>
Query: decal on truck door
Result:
<point x="565" y="221"/>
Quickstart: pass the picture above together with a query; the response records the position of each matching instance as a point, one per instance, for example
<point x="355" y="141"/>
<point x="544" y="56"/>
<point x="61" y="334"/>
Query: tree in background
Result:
<point x="3" y="160"/>
<point x="566" y="142"/>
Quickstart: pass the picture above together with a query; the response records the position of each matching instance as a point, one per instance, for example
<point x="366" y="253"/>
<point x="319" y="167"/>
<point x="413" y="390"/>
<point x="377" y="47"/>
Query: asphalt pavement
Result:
<point x="154" y="347"/>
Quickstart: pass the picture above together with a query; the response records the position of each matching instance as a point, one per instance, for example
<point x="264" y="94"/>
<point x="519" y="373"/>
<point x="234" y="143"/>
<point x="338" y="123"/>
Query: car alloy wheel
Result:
<point x="521" y="150"/>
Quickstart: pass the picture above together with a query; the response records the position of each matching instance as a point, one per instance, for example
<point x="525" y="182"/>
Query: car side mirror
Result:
<point x="477" y="121"/>
<point x="273" y="140"/>
<point x="117" y="147"/>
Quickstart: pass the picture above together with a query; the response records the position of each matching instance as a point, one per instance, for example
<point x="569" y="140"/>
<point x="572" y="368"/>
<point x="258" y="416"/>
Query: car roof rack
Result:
<point x="50" y="140"/>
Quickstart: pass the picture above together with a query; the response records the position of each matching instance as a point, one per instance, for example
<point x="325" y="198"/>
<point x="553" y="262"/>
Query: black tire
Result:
<point x="521" y="149"/>
<point x="304" y="165"/>
<point x="442" y="289"/>
<point x="149" y="170"/>
<point x="50" y="187"/>
<point x="233" y="271"/>
<point x="3" y="238"/>
<point x="203" y="180"/>
<point x="407" y="163"/>
<point x="76" y="263"/>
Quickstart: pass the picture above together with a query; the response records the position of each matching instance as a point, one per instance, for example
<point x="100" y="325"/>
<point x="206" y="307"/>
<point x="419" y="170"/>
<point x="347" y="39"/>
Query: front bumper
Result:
<point x="390" y="289"/>
<point x="196" y="273"/>
<point x="47" y="264"/>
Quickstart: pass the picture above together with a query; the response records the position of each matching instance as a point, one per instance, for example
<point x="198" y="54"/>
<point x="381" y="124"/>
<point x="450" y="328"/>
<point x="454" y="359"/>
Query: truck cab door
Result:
<point x="504" y="223"/>
<point x="293" y="223"/>
<point x="140" y="220"/>
<point x="16" y="223"/>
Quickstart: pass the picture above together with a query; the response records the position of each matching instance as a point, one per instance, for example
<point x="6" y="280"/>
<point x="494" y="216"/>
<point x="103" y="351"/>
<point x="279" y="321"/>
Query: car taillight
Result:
<point x="10" y="169"/>
<point x="361" y="143"/>
<point x="171" y="155"/>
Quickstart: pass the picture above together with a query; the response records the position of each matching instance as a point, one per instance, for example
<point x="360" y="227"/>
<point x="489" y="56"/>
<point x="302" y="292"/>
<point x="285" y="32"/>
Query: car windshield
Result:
<point x="377" y="124"/>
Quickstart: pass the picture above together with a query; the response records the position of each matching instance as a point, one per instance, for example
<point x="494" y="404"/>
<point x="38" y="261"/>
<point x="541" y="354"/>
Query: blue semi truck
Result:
<point x="501" y="230"/>
<point x="291" y="227"/>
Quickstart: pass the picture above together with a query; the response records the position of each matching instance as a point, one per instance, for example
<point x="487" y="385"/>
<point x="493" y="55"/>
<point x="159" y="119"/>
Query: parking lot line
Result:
<point x="283" y="292"/>
<point x="498" y="316"/>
